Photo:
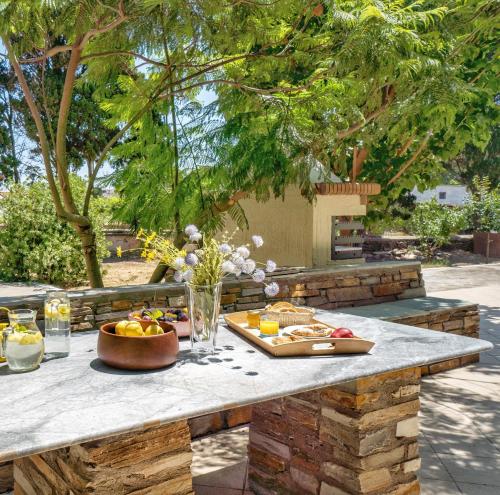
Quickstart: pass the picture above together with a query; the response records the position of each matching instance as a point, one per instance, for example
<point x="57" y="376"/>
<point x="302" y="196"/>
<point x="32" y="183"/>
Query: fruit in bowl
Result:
<point x="342" y="333"/>
<point x="174" y="316"/>
<point x="169" y="314"/>
<point x="137" y="345"/>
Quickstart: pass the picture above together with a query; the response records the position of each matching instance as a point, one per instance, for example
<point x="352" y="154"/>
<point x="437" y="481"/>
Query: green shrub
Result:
<point x="483" y="206"/>
<point x="434" y="224"/>
<point x="35" y="244"/>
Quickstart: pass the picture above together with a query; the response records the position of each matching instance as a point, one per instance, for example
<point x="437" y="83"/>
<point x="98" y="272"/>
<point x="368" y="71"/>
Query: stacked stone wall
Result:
<point x="351" y="439"/>
<point x="330" y="288"/>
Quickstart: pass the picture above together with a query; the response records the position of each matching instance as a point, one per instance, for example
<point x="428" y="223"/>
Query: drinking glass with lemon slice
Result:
<point x="57" y="324"/>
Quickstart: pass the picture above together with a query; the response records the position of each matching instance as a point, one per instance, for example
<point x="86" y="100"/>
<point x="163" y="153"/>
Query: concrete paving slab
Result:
<point x="232" y="476"/>
<point x="476" y="470"/>
<point x="438" y="487"/>
<point x="459" y="277"/>
<point x="473" y="489"/>
<point x="432" y="467"/>
<point x="445" y="442"/>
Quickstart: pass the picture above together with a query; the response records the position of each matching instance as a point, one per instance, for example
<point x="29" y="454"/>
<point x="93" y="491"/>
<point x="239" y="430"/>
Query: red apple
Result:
<point x="342" y="333"/>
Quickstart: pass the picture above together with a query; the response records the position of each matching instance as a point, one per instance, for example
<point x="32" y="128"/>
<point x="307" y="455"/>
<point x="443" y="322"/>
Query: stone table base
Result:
<point x="351" y="439"/>
<point x="155" y="461"/>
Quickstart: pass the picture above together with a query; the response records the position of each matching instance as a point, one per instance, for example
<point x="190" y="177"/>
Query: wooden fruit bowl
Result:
<point x="137" y="353"/>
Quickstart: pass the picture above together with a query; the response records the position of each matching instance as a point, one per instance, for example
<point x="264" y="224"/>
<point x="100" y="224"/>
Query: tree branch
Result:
<point x="108" y="27"/>
<point x="387" y="99"/>
<point x="401" y="151"/>
<point x="47" y="54"/>
<point x="236" y="84"/>
<point x="413" y="158"/>
<point x="42" y="136"/>
<point x="62" y="124"/>
<point x="125" y="53"/>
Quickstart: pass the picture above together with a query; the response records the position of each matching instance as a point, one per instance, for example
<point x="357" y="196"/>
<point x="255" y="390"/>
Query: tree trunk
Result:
<point x="89" y="246"/>
<point x="161" y="269"/>
<point x="158" y="274"/>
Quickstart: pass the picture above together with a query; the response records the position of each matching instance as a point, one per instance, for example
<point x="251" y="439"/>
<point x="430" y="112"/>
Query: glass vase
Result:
<point x="57" y="324"/>
<point x="203" y="306"/>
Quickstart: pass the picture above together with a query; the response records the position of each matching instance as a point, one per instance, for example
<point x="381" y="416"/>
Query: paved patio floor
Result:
<point x="460" y="416"/>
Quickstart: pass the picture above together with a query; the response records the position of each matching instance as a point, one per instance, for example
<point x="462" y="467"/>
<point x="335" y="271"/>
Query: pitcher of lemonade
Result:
<point x="22" y="341"/>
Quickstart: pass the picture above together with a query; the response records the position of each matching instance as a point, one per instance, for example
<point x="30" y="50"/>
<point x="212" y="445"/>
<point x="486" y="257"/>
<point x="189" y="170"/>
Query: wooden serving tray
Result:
<point x="309" y="347"/>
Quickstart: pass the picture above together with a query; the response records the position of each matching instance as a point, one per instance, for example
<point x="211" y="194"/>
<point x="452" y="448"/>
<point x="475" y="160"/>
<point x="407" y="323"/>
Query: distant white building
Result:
<point x="445" y="194"/>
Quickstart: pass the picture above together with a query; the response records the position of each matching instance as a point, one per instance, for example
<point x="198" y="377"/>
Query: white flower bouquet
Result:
<point x="204" y="261"/>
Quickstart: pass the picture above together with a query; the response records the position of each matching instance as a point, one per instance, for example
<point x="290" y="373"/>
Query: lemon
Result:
<point x="15" y="337"/>
<point x="64" y="311"/>
<point x="30" y="338"/>
<point x="50" y="311"/>
<point x="154" y="329"/>
<point x="134" y="329"/>
<point x="120" y="327"/>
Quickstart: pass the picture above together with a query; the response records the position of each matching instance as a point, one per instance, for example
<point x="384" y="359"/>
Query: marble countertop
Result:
<point x="77" y="399"/>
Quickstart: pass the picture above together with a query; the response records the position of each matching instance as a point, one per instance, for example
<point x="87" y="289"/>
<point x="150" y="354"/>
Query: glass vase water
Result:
<point x="57" y="324"/>
<point x="203" y="307"/>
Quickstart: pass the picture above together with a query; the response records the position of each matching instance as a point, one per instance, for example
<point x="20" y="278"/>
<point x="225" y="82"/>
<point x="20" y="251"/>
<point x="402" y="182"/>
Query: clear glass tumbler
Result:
<point x="57" y="324"/>
<point x="203" y="306"/>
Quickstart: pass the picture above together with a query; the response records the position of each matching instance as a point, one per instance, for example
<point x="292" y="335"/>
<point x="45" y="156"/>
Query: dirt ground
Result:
<point x="126" y="272"/>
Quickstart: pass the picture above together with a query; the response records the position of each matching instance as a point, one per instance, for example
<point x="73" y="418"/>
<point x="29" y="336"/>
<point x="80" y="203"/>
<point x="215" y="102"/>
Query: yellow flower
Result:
<point x="140" y="233"/>
<point x="119" y="251"/>
<point x="151" y="256"/>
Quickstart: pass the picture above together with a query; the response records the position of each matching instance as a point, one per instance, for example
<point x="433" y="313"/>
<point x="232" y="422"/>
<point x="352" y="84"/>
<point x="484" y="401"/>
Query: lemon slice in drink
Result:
<point x="64" y="311"/>
<point x="31" y="338"/>
<point x="51" y="311"/>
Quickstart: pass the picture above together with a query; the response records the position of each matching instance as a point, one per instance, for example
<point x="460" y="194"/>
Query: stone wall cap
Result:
<point x="409" y="307"/>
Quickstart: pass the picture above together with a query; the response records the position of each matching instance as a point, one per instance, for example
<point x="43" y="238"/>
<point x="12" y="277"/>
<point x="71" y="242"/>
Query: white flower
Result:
<point x="237" y="271"/>
<point x="225" y="248"/>
<point x="179" y="263"/>
<point x="238" y="260"/>
<point x="191" y="259"/>
<point x="257" y="240"/>
<point x="228" y="267"/>
<point x="270" y="266"/>
<point x="178" y="276"/>
<point x="243" y="252"/>
<point x="259" y="275"/>
<point x="190" y="230"/>
<point x="272" y="289"/>
<point x="195" y="237"/>
<point x="188" y="275"/>
<point x="248" y="266"/>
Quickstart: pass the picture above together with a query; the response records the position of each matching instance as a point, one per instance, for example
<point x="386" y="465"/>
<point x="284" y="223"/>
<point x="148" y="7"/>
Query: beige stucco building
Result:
<point x="299" y="233"/>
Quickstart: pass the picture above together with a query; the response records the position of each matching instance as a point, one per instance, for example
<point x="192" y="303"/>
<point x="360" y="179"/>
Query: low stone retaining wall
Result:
<point x="461" y="321"/>
<point x="327" y="288"/>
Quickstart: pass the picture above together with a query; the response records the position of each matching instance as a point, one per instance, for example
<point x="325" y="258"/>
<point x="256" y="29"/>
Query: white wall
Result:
<point x="454" y="195"/>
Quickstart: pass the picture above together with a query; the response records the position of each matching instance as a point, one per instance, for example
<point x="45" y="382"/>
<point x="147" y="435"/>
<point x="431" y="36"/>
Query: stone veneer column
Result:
<point x="154" y="461"/>
<point x="356" y="438"/>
